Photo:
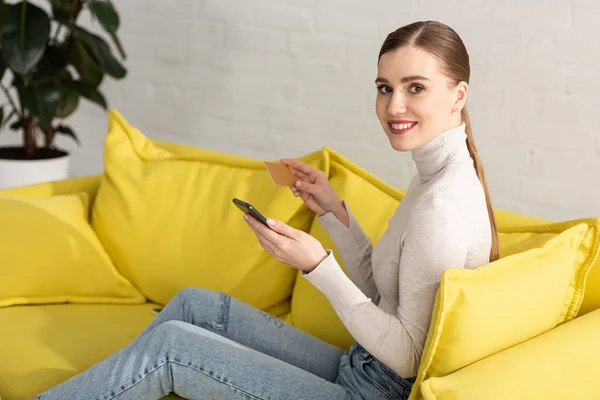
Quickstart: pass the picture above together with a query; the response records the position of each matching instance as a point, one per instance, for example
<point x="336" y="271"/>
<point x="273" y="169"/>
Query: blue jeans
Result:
<point x="209" y="345"/>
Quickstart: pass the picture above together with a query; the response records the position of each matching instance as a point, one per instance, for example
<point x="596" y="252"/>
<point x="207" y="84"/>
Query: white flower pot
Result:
<point x="21" y="172"/>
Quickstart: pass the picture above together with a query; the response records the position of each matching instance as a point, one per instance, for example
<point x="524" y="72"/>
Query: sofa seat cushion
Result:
<point x="51" y="254"/>
<point x="563" y="363"/>
<point x="45" y="345"/>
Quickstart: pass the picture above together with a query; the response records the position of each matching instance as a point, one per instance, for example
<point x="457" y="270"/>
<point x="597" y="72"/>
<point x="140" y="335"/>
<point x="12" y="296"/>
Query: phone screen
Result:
<point x="247" y="208"/>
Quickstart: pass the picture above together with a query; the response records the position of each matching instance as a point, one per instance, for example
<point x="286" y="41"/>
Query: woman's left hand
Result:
<point x="288" y="245"/>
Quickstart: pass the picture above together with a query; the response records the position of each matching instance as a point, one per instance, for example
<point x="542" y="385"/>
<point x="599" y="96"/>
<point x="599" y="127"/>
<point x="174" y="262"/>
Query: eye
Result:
<point x="384" y="89"/>
<point x="416" y="89"/>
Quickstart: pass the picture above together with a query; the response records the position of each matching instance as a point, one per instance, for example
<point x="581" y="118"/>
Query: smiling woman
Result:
<point x="423" y="85"/>
<point x="386" y="298"/>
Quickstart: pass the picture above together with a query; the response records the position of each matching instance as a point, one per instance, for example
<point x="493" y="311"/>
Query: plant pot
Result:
<point x="17" y="169"/>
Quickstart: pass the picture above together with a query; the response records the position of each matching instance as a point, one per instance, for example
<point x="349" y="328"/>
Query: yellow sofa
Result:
<point x="44" y="342"/>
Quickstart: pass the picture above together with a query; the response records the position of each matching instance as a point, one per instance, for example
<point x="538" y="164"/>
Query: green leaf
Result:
<point x="100" y="50"/>
<point x="41" y="100"/>
<point x="4" y="14"/>
<point x="90" y="92"/>
<point x="64" y="77"/>
<point x="54" y="60"/>
<point x="117" y="43"/>
<point x="106" y="14"/>
<point x="15" y="126"/>
<point x="84" y="62"/>
<point x="2" y="68"/>
<point x="69" y="100"/>
<point x="66" y="130"/>
<point x="24" y="35"/>
<point x="61" y="8"/>
<point x="116" y="39"/>
<point x="109" y="64"/>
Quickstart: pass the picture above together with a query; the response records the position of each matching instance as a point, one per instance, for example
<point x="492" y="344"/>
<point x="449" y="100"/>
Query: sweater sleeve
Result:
<point x="435" y="239"/>
<point x="355" y="250"/>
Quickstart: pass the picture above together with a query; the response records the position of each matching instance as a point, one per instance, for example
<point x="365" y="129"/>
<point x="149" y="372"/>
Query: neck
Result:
<point x="449" y="146"/>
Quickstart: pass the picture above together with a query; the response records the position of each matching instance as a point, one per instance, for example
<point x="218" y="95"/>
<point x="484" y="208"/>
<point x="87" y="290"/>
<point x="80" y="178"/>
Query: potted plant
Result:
<point x="47" y="63"/>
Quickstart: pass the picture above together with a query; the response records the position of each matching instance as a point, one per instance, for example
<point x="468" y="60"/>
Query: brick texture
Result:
<point x="271" y="79"/>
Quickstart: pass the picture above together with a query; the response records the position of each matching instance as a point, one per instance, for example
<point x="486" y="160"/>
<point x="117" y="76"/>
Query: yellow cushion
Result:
<point x="591" y="298"/>
<point x="165" y="215"/>
<point x="43" y="346"/>
<point x="311" y="311"/>
<point x="87" y="184"/>
<point x="509" y="219"/>
<point x="530" y="227"/>
<point x="481" y="311"/>
<point x="50" y="254"/>
<point x="561" y="364"/>
<point x="516" y="239"/>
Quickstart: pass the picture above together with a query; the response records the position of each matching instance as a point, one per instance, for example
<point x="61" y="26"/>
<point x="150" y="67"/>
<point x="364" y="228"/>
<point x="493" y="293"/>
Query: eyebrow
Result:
<point x="403" y="80"/>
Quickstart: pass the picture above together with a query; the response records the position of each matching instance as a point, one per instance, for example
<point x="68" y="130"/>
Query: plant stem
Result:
<point x="75" y="10"/>
<point x="29" y="136"/>
<point x="48" y="136"/>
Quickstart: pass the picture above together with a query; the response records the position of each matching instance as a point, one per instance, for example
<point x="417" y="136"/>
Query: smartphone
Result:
<point x="247" y="208"/>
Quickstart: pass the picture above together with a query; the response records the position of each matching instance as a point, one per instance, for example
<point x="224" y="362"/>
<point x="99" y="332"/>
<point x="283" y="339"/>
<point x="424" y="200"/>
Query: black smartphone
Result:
<point x="247" y="208"/>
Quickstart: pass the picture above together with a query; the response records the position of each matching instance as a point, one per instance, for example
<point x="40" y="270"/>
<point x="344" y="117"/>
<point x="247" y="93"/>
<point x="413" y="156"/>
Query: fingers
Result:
<point x="268" y="246"/>
<point x="303" y="193"/>
<point x="264" y="234"/>
<point x="299" y="165"/>
<point x="304" y="196"/>
<point x="299" y="174"/>
<point x="283" y="229"/>
<point x="306" y="180"/>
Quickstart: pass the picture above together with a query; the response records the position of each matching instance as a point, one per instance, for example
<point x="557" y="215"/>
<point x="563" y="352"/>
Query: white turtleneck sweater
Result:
<point x="386" y="301"/>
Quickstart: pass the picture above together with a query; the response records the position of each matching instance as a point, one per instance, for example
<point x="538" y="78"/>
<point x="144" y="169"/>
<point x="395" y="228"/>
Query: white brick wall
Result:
<point x="274" y="79"/>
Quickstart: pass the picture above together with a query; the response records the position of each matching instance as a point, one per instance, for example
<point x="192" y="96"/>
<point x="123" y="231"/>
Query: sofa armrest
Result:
<point x="563" y="363"/>
<point x="87" y="184"/>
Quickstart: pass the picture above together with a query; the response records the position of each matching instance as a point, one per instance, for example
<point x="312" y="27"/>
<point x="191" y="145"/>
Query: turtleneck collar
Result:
<point x="448" y="146"/>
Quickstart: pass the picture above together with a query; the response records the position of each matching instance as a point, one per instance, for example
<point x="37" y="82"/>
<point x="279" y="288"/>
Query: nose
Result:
<point x="397" y="104"/>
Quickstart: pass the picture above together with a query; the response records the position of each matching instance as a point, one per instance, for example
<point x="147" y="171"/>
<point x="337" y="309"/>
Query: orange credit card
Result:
<point x="280" y="174"/>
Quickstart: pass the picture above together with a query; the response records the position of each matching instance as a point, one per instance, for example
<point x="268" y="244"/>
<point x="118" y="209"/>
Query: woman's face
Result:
<point x="415" y="101"/>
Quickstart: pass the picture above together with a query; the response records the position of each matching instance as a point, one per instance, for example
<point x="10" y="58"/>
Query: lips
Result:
<point x="401" y="126"/>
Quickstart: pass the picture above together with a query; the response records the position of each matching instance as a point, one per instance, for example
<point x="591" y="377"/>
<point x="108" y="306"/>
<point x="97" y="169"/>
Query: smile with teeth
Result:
<point x="403" y="126"/>
<point x="398" y="128"/>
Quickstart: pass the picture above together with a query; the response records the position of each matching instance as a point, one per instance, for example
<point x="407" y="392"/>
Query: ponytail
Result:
<point x="495" y="250"/>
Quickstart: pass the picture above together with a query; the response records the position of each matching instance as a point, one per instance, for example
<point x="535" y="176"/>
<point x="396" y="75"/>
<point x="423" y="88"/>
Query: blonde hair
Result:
<point x="446" y="46"/>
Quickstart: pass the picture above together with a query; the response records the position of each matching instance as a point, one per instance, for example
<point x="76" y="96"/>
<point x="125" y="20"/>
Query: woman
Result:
<point x="207" y="345"/>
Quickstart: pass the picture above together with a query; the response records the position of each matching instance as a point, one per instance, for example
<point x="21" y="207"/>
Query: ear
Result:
<point x="461" y="92"/>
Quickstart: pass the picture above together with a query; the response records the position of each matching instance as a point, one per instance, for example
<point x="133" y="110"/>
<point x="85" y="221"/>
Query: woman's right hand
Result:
<point x="314" y="188"/>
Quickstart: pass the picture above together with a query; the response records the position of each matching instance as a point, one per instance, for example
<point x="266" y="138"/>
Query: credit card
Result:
<point x="280" y="174"/>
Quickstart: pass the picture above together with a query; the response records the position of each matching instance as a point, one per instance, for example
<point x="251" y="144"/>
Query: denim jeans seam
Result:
<point x="224" y="317"/>
<point x="377" y="386"/>
<point x="157" y="367"/>
<point x="195" y="369"/>
<point x="399" y="380"/>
